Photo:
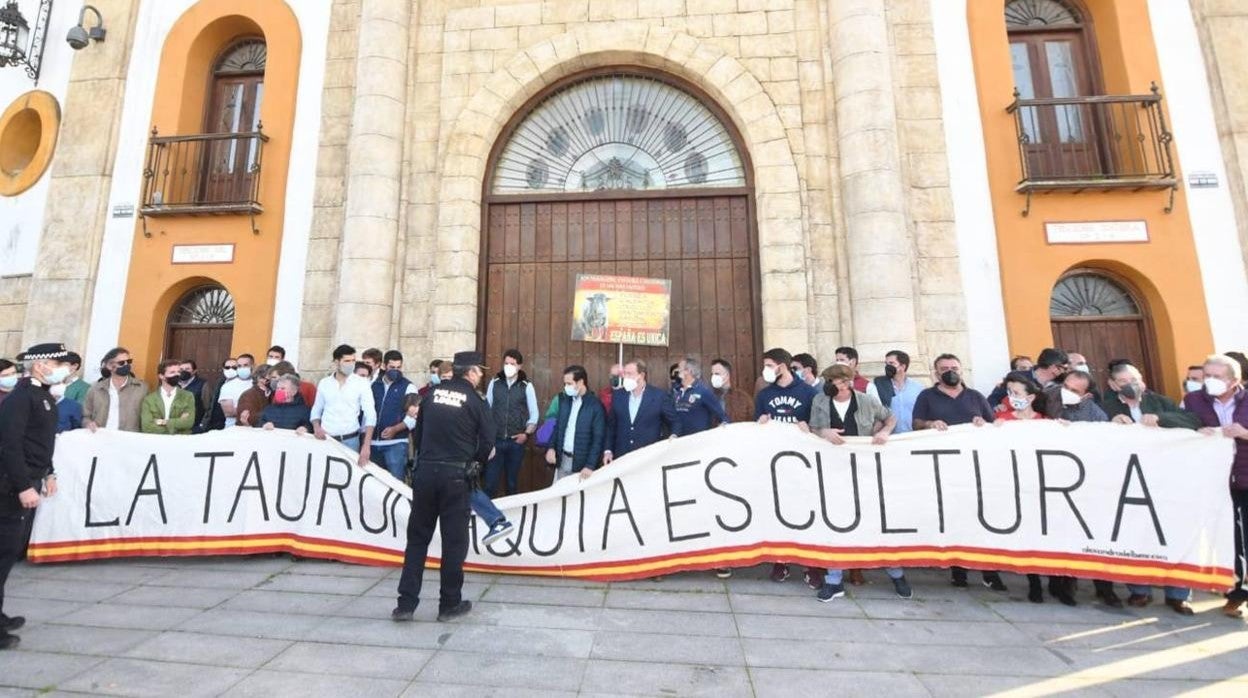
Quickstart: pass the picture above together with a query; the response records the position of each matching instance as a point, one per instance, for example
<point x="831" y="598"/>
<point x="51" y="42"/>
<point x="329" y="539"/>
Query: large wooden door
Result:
<point x="201" y="328"/>
<point x="535" y="250"/>
<point x="1102" y="318"/>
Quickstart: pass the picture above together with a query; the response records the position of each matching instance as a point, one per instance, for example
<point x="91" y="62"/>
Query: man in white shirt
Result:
<point x="233" y="389"/>
<point x="340" y="400"/>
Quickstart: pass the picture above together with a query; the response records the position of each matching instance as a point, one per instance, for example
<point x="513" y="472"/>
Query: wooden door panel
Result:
<point x="206" y="345"/>
<point x="535" y="252"/>
<point x="1102" y="341"/>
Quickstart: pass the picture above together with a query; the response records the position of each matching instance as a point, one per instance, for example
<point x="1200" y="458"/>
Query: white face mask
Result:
<point x="630" y="384"/>
<point x="58" y="391"/>
<point x="1070" y="397"/>
<point x="57" y="375"/>
<point x="409" y="422"/>
<point x="717" y="381"/>
<point x="346" y="368"/>
<point x="1019" y="403"/>
<point x="570" y="390"/>
<point x="510" y="370"/>
<point x="1216" y="386"/>
<point x="229" y="373"/>
<point x="272" y="362"/>
<point x="1081" y="367"/>
<point x="769" y="374"/>
<point x="1192" y="386"/>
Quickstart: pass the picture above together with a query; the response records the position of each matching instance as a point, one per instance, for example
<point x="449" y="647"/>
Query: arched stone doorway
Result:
<point x="201" y="328"/>
<point x="1102" y="316"/>
<point x="621" y="172"/>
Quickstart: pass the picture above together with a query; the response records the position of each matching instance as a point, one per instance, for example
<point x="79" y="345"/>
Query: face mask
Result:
<point x="616" y="381"/>
<point x="1130" y="391"/>
<point x="951" y="379"/>
<point x="1192" y="386"/>
<point x="123" y="370"/>
<point x="569" y="390"/>
<point x="630" y="384"/>
<point x="281" y="396"/>
<point x="1019" y="403"/>
<point x="57" y="375"/>
<point x="890" y="371"/>
<point x="1216" y="386"/>
<point x="434" y="379"/>
<point x="717" y="381"/>
<point x="230" y="373"/>
<point x="170" y="380"/>
<point x="510" y="370"/>
<point x="185" y="376"/>
<point x="769" y="374"/>
<point x="272" y="362"/>
<point x="829" y="389"/>
<point x="1070" y="397"/>
<point x="1083" y="368"/>
<point x="346" y="368"/>
<point x="8" y="382"/>
<point x="58" y="391"/>
<point x="409" y="422"/>
<point x="393" y="374"/>
<point x="244" y="372"/>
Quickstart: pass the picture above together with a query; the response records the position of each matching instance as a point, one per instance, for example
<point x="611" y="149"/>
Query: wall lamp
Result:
<point x="18" y="46"/>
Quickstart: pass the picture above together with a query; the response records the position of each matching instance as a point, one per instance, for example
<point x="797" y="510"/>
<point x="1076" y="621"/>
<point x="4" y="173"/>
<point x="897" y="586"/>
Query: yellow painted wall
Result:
<point x="155" y="284"/>
<point x="1164" y="270"/>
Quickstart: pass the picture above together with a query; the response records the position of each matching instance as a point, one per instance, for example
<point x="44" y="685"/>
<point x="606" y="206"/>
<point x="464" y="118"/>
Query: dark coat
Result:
<point x="1169" y="415"/>
<point x="655" y="419"/>
<point x="291" y="415"/>
<point x="590" y="436"/>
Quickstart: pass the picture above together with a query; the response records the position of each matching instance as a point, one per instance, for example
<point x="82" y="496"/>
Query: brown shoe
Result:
<point x="856" y="578"/>
<point x="1139" y="600"/>
<point x="1182" y="608"/>
<point x="1231" y="609"/>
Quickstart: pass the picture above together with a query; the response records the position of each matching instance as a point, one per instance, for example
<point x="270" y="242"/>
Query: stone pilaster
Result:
<point x="367" y="255"/>
<point x="878" y="245"/>
<point x="63" y="285"/>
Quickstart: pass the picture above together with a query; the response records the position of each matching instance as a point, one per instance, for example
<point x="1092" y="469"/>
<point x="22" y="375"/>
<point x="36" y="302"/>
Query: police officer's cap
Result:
<point x="469" y="358"/>
<point x="47" y="351"/>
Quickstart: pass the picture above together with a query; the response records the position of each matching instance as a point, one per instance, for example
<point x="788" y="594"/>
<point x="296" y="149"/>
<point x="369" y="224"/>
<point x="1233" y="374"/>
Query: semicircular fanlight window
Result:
<point x="1090" y="295"/>
<point x="207" y="305"/>
<point x="618" y="132"/>
<point x="1039" y="13"/>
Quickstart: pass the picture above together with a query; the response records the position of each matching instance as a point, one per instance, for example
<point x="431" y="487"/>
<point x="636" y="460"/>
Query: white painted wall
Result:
<point x="21" y="216"/>
<point x="154" y="22"/>
<point x="1212" y="213"/>
<point x="972" y="201"/>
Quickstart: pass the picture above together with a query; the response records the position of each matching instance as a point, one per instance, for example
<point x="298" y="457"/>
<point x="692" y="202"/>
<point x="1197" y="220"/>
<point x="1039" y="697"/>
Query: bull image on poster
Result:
<point x="621" y="310"/>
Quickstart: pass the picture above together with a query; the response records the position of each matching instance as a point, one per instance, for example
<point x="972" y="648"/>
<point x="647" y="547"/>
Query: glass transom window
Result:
<point x="618" y="132"/>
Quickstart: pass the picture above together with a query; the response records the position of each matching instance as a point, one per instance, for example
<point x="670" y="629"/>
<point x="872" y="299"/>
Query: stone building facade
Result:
<point x="882" y="194"/>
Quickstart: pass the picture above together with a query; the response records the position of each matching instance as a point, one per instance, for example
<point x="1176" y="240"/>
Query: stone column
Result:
<point x="366" y="272"/>
<point x="63" y="285"/>
<point x="880" y="251"/>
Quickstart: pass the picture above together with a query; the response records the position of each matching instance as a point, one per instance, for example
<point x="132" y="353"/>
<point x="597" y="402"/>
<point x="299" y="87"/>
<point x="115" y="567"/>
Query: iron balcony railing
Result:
<point x="208" y="173"/>
<point x="1101" y="142"/>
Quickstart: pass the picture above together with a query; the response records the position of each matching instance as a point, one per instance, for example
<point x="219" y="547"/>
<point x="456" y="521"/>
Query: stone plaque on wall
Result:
<point x="1095" y="231"/>
<point x="203" y="254"/>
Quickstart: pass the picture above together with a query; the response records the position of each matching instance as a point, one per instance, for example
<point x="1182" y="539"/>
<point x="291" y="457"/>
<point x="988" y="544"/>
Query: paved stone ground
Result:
<point x="272" y="627"/>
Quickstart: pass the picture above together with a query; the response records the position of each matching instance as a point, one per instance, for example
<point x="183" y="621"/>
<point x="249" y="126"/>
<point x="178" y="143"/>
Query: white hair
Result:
<point x="1223" y="360"/>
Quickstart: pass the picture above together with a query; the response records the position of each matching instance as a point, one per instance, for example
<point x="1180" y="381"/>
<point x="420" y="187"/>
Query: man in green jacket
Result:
<point x="169" y="409"/>
<point x="1131" y="402"/>
<point x="75" y="387"/>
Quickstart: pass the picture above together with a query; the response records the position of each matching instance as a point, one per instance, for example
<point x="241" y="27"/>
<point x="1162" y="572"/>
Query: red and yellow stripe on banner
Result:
<point x="1078" y="565"/>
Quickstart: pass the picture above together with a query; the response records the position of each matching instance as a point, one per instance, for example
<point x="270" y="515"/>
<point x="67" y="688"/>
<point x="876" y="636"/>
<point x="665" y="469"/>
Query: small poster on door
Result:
<point x="621" y="310"/>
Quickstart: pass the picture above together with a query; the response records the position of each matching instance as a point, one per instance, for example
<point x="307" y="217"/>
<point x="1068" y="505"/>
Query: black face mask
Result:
<point x="829" y="389"/>
<point x="951" y="379"/>
<point x="172" y="380"/>
<point x="617" y="382"/>
<point x="123" y="370"/>
<point x="393" y="374"/>
<point x="185" y="376"/>
<point x="890" y="371"/>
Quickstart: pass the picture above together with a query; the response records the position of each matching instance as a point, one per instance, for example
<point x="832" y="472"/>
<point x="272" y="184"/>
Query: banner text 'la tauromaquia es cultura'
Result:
<point x="1104" y="501"/>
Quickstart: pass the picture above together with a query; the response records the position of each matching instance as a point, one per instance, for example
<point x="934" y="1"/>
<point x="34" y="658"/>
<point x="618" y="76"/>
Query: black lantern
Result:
<point x="18" y="45"/>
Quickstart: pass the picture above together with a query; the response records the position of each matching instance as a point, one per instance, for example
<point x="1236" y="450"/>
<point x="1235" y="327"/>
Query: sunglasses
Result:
<point x="231" y="366"/>
<point x="127" y="362"/>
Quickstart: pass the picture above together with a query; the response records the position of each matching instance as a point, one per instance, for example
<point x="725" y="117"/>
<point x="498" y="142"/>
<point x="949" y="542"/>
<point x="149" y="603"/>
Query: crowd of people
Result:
<point x="371" y="407"/>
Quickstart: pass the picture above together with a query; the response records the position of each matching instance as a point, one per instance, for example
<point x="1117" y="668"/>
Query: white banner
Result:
<point x="1103" y="501"/>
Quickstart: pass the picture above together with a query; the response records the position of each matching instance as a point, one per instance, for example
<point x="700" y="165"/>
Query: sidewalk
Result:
<point x="272" y="627"/>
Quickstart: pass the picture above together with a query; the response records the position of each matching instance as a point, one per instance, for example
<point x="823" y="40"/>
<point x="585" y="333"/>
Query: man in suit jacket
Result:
<point x="169" y="409"/>
<point x="641" y="414"/>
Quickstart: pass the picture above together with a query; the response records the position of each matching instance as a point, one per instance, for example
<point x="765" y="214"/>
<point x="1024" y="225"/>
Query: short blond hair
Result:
<point x="1223" y="360"/>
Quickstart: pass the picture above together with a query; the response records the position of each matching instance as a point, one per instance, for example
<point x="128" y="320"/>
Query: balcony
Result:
<point x="1102" y="143"/>
<point x="203" y="174"/>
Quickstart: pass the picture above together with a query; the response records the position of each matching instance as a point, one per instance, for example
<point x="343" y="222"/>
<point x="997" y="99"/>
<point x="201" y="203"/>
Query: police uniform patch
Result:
<point x="47" y="407"/>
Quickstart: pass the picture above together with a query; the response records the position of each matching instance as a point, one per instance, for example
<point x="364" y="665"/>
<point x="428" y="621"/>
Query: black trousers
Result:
<point x="1240" y="500"/>
<point x="439" y="497"/>
<point x="12" y="543"/>
<point x="958" y="574"/>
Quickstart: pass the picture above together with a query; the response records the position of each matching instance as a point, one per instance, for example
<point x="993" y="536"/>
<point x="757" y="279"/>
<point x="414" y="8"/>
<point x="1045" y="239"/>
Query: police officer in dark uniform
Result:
<point x="453" y="437"/>
<point x="27" y="436"/>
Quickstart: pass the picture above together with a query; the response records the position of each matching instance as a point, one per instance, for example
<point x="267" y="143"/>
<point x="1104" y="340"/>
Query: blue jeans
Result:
<point x="1172" y="593"/>
<point x="393" y="458"/>
<point x="484" y="507"/>
<point x="352" y="442"/>
<point x="834" y="576"/>
<point x="508" y="457"/>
